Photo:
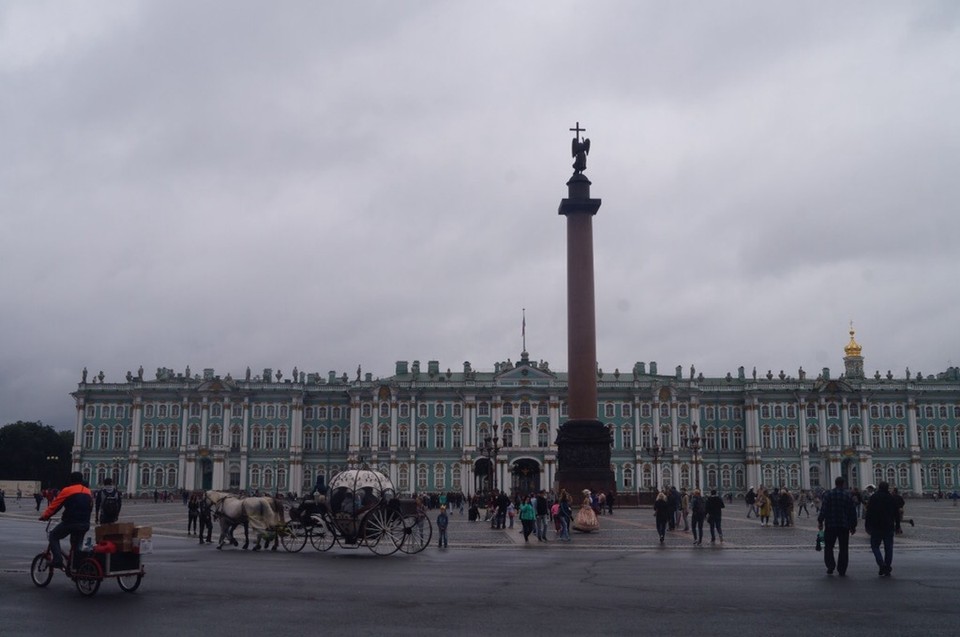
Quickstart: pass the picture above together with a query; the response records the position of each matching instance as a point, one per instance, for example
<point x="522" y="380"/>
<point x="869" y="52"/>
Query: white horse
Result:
<point x="264" y="514"/>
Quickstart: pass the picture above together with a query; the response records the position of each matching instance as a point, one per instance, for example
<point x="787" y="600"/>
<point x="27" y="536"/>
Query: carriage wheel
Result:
<point x="130" y="583"/>
<point x="417" y="532"/>
<point x="383" y="531"/>
<point x="41" y="572"/>
<point x="321" y="536"/>
<point x="293" y="537"/>
<point x="88" y="577"/>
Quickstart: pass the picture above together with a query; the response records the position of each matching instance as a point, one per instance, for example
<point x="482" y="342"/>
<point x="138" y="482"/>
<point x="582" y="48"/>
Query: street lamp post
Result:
<point x="117" y="471"/>
<point x="655" y="451"/>
<point x="52" y="461"/>
<point x="693" y="443"/>
<point x="490" y="449"/>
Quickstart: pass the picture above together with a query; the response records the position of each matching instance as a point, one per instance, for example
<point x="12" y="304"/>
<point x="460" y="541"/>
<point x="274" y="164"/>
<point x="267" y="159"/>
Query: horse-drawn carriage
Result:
<point x="360" y="508"/>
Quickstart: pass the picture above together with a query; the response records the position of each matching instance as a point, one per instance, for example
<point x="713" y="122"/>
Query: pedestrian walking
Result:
<point x="881" y="523"/>
<point x="715" y="516"/>
<point x="528" y="517"/>
<point x="838" y="521"/>
<point x="193" y="513"/>
<point x="442" y="521"/>
<point x="565" y="514"/>
<point x="698" y="512"/>
<point x="751" y="500"/>
<point x="662" y="513"/>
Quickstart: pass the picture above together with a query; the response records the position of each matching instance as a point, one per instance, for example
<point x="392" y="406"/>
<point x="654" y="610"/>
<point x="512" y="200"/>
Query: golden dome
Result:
<point x="853" y="348"/>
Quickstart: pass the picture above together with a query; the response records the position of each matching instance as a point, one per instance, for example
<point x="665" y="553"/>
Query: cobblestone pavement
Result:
<point x="937" y="525"/>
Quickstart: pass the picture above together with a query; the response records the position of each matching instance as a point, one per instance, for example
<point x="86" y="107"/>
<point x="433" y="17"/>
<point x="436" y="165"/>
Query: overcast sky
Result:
<point x="326" y="185"/>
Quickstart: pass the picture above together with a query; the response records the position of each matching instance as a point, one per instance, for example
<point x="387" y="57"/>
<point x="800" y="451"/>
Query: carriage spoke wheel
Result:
<point x="293" y="536"/>
<point x="417" y="532"/>
<point x="41" y="572"/>
<point x="130" y="583"/>
<point x="321" y="536"/>
<point x="383" y="531"/>
<point x="88" y="577"/>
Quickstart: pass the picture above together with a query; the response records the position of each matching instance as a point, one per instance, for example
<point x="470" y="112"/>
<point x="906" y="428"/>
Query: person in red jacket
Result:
<point x="76" y="500"/>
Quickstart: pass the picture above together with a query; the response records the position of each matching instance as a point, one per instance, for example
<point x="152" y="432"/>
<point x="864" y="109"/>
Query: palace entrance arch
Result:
<point x="524" y="476"/>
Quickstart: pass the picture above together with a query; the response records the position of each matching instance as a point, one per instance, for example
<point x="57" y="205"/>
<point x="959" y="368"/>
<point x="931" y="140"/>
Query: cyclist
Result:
<point x="77" y="503"/>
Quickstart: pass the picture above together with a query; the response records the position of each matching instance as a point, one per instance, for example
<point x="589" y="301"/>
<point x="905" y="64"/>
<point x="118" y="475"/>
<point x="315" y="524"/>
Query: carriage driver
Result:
<point x="77" y="503"/>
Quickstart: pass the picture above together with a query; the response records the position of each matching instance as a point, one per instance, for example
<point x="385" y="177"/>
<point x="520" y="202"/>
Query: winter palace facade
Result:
<point x="469" y="431"/>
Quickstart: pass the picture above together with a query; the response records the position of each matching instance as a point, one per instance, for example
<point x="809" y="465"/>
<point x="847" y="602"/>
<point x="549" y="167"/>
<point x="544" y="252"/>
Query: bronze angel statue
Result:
<point x="580" y="149"/>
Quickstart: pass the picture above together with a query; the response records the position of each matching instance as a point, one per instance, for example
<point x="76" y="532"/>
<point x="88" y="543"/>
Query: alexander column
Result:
<point x="583" y="442"/>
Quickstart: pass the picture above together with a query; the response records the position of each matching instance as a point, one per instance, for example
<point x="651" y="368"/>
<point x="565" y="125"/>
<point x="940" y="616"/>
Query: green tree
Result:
<point x="34" y="451"/>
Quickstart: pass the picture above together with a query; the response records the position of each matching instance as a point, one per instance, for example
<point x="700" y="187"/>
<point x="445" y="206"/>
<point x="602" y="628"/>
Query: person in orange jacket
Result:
<point x="76" y="500"/>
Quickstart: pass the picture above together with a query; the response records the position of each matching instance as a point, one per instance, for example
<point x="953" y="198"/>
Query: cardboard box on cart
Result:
<point x="120" y="534"/>
<point x="143" y="539"/>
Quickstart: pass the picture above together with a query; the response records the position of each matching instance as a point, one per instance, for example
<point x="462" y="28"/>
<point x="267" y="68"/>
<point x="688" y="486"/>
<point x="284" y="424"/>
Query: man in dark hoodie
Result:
<point x="108" y="503"/>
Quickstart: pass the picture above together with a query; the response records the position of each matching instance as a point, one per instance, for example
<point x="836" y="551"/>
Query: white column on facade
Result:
<point x="204" y="422"/>
<point x="354" y="423"/>
<point x="245" y="444"/>
<point x="554" y="407"/>
<point x="187" y="469"/>
<point x="913" y="436"/>
<point x="133" y="466"/>
<point x="844" y="423"/>
<point x="219" y="481"/>
<point x="394" y="424"/>
<point x="184" y="415"/>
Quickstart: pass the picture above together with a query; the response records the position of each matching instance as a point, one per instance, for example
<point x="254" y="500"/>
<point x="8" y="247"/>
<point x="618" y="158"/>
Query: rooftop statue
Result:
<point x="579" y="150"/>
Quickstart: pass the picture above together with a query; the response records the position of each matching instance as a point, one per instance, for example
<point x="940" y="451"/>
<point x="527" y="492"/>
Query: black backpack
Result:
<point x="110" y="508"/>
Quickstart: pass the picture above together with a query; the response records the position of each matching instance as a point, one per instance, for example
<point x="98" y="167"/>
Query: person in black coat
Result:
<point x="714" y="514"/>
<point x="881" y="525"/>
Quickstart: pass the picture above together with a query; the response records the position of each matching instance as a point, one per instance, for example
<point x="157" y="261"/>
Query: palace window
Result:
<point x="439" y="477"/>
<point x="147" y="412"/>
<point x="404" y="411"/>
<point x="257" y="438"/>
<point x="118" y="438"/>
<point x="384" y="438"/>
<point x="524" y="409"/>
<point x="898" y="410"/>
<point x="104" y="438"/>
<point x="440" y="410"/>
<point x="194" y="434"/>
<point x="507" y="409"/>
<point x="457" y="437"/>
<point x="422" y="436"/>
<point x="366" y="411"/>
<point x="875" y="436"/>
<point x="792" y="412"/>
<point x="441" y="438"/>
<point x="483" y="409"/>
<point x="765" y="412"/>
<point x="724" y="439"/>
<point x="811" y="410"/>
<point x="403" y="478"/>
<point x="322" y="412"/>
<point x="457" y="410"/>
<point x="456" y="477"/>
<point x="608" y="410"/>
<point x="282" y="438"/>
<point x="236" y="410"/>
<point x="543" y="437"/>
<point x="422" y="410"/>
<point x="738" y="438"/>
<point x="854" y="410"/>
<point x="832" y="410"/>
<point x="194" y="410"/>
<point x="543" y="409"/>
<point x="507" y="436"/>
<point x="258" y="411"/>
<point x="944" y="438"/>
<point x="384" y="409"/>
<point x="236" y="434"/>
<point x="422" y="477"/>
<point x="778" y="412"/>
<point x="216" y="410"/>
<point x="645" y="410"/>
<point x="308" y="439"/>
<point x="664" y="410"/>
<point x="147" y="437"/>
<point x="709" y="439"/>
<point x="404" y="437"/>
<point x="269" y="438"/>
<point x="174" y="411"/>
<point x="766" y="440"/>
<point x="365" y="436"/>
<point x="337" y="440"/>
<point x="524" y="436"/>
<point x="874" y="411"/>
<point x="626" y="434"/>
<point x="161" y="437"/>
<point x="901" y="437"/>
<point x="855" y="437"/>
<point x="683" y="410"/>
<point x="628" y="477"/>
<point x="833" y="436"/>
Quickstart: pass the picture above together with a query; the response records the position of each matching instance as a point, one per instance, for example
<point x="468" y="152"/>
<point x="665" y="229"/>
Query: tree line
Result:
<point x="34" y="451"/>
